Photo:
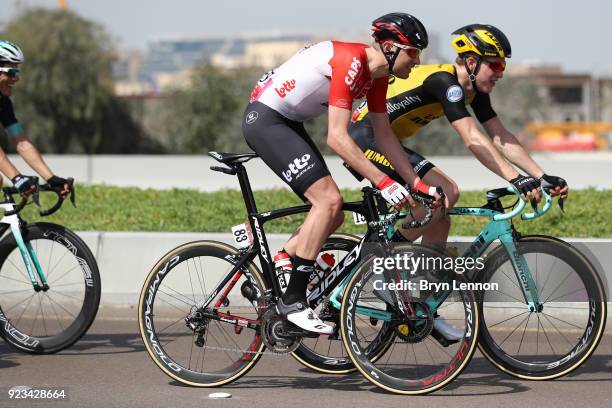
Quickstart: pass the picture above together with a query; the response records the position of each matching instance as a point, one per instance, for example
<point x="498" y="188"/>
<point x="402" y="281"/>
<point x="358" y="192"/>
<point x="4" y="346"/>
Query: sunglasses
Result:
<point x="412" y="52"/>
<point x="497" y="66"/>
<point x="11" y="72"/>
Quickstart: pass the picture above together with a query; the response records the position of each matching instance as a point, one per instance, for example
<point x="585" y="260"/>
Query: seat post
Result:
<point x="245" y="186"/>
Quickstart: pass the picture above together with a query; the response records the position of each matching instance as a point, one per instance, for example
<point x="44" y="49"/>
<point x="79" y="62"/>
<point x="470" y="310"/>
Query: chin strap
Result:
<point x="391" y="56"/>
<point x="472" y="74"/>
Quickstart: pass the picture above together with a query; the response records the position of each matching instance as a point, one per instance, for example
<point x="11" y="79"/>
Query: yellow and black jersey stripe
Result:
<point x="430" y="92"/>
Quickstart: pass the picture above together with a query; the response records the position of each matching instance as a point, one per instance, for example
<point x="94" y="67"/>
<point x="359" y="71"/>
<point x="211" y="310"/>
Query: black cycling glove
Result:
<point x="57" y="182"/>
<point x="22" y="183"/>
<point x="525" y="184"/>
<point x="552" y="181"/>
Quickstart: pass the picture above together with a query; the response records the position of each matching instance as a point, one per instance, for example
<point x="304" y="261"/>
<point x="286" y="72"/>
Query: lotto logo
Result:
<point x="287" y="87"/>
<point x="297" y="166"/>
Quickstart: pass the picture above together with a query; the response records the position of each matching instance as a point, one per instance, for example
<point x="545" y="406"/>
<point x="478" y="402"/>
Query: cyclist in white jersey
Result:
<point x="329" y="77"/>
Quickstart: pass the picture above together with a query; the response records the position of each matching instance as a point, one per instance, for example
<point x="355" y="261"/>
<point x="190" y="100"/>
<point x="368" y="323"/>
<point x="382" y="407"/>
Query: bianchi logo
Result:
<point x="297" y="168"/>
<point x="251" y="117"/>
<point x="454" y="93"/>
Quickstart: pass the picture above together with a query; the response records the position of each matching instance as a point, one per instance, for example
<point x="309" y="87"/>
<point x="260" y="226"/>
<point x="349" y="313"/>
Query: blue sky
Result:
<point x="556" y="32"/>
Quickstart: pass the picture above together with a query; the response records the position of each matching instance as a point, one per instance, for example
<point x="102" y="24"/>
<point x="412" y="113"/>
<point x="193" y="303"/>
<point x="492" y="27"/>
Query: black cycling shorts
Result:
<point x="284" y="146"/>
<point x="362" y="134"/>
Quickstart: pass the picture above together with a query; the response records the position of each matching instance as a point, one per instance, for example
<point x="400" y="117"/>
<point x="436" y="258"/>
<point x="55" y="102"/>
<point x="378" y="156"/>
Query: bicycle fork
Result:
<point x="38" y="280"/>
<point x="523" y="274"/>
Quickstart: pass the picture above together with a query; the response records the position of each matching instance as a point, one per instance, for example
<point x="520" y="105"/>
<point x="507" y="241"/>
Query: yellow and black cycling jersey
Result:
<point x="428" y="93"/>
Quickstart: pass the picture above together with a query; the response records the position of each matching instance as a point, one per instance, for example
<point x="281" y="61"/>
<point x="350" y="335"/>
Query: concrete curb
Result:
<point x="125" y="258"/>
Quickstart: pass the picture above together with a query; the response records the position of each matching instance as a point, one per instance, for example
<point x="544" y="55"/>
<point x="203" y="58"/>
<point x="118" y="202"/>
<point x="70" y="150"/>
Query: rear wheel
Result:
<point x="186" y="342"/>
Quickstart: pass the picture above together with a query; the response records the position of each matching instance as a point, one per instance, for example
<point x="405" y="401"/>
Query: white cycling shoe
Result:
<point x="303" y="317"/>
<point x="447" y="330"/>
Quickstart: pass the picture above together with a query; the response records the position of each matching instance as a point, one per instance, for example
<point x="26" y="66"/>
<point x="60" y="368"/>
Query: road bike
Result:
<point x="207" y="312"/>
<point x="49" y="279"/>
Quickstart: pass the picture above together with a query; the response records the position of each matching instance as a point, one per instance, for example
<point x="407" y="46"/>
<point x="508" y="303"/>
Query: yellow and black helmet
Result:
<point x="481" y="40"/>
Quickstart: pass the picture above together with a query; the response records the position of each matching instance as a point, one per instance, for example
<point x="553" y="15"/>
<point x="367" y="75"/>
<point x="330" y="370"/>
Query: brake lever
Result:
<point x="561" y="203"/>
<point x="72" y="191"/>
<point x="534" y="204"/>
<point x="36" y="198"/>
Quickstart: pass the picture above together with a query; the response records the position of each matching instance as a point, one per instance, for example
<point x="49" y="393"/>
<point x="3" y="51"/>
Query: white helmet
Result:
<point x="9" y="52"/>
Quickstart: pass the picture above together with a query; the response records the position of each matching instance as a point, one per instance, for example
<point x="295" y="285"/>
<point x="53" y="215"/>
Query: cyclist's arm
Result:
<point x="483" y="149"/>
<point x="340" y="141"/>
<point x="31" y="155"/>
<point x="6" y="167"/>
<point x="511" y="148"/>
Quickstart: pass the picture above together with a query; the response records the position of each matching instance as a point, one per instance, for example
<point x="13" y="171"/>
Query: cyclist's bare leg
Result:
<point x="291" y="246"/>
<point x="436" y="232"/>
<point x="323" y="218"/>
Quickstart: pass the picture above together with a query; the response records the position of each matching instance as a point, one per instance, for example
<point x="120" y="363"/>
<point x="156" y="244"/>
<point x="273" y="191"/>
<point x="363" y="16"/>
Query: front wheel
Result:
<point x="551" y="342"/>
<point x="415" y="363"/>
<point x="47" y="321"/>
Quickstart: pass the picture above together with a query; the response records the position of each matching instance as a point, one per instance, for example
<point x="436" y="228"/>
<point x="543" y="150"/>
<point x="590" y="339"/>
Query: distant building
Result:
<point x="574" y="97"/>
<point x="168" y="61"/>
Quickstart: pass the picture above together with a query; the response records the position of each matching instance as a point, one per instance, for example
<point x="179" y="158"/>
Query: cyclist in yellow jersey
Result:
<point x="432" y="91"/>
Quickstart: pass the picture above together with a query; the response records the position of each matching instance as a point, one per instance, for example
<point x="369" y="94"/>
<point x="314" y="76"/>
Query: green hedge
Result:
<point x="104" y="208"/>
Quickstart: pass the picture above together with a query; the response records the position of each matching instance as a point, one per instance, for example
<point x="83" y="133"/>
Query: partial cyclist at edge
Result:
<point x="11" y="57"/>
<point x="328" y="77"/>
<point x="437" y="90"/>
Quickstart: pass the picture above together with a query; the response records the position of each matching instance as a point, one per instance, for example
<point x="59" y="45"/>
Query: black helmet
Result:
<point x="482" y="40"/>
<point x="400" y="27"/>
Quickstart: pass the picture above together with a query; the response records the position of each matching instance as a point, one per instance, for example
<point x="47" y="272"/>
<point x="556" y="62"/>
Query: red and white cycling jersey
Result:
<point x="327" y="73"/>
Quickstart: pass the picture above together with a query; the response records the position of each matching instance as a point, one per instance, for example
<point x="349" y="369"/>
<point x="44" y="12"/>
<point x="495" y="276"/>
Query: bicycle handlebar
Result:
<point x="521" y="206"/>
<point x="35" y="197"/>
<point x="419" y="197"/>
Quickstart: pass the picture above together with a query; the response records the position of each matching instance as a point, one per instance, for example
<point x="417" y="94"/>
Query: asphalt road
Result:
<point x="109" y="367"/>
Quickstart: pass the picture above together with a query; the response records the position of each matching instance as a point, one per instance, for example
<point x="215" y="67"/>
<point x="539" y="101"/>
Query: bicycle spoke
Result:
<point x="567" y="294"/>
<point x="21" y="270"/>
<point x="60" y="306"/>
<point x="546" y="335"/>
<point x="512" y="332"/>
<point x="558" y="331"/>
<point x="66" y="273"/>
<point x="563" y="321"/>
<point x="510" y="318"/>
<point x="185" y="312"/>
<point x="518" y="352"/>
<point x="17" y="280"/>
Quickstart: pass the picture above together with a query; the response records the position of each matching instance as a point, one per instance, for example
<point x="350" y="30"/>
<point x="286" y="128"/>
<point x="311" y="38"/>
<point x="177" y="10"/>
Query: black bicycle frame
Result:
<point x="367" y="208"/>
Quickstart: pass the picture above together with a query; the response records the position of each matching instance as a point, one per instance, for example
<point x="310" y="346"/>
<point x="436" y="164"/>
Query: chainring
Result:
<point x="273" y="327"/>
<point x="416" y="329"/>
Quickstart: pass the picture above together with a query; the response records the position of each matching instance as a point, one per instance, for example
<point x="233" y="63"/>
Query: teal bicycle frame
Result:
<point x="25" y="248"/>
<point x="499" y="227"/>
